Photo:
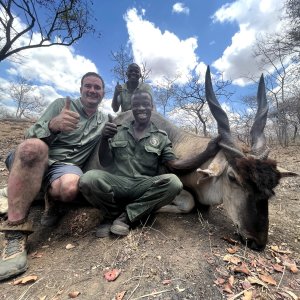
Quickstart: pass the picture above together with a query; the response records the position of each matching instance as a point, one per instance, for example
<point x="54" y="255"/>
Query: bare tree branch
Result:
<point x="191" y="97"/>
<point x="27" y="103"/>
<point x="67" y="21"/>
<point x="281" y="67"/>
<point x="122" y="59"/>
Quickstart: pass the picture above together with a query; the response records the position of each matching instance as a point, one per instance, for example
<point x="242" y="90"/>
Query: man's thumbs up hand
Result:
<point x="110" y="128"/>
<point x="66" y="121"/>
<point x="110" y="118"/>
<point x="68" y="103"/>
<point x="118" y="88"/>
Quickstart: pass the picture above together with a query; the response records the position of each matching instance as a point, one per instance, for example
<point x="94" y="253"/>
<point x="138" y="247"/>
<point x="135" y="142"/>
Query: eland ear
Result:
<point x="215" y="168"/>
<point x="286" y="173"/>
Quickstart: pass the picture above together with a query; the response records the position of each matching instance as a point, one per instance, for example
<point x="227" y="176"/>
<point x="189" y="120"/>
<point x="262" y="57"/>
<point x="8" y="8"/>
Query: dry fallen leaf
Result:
<point x="278" y="268"/>
<point x="291" y="265"/>
<point x="112" y="275"/>
<point x="278" y="250"/>
<point x="255" y="280"/>
<point x="268" y="279"/>
<point x="231" y="280"/>
<point x="25" y="280"/>
<point x="253" y="263"/>
<point x="294" y="269"/>
<point x="262" y="262"/>
<point x="247" y="295"/>
<point x="229" y="240"/>
<point x="246" y="284"/>
<point x="233" y="259"/>
<point x="219" y="281"/>
<point x="74" y="294"/>
<point x="120" y="296"/>
<point x="241" y="269"/>
<point x="70" y="246"/>
<point x="227" y="288"/>
<point x="232" y="250"/>
<point x="274" y="248"/>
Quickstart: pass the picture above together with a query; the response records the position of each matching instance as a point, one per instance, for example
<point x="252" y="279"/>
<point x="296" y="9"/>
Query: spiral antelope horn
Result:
<point x="258" y="139"/>
<point x="228" y="144"/>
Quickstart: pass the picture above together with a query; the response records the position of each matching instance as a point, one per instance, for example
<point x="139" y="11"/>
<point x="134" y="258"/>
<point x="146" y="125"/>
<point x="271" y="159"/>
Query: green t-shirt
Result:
<point x="125" y="96"/>
<point x="134" y="158"/>
<point x="70" y="147"/>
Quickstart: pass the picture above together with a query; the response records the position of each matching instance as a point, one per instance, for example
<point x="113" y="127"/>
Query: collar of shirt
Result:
<point x="129" y="126"/>
<point x="126" y="88"/>
<point x="99" y="115"/>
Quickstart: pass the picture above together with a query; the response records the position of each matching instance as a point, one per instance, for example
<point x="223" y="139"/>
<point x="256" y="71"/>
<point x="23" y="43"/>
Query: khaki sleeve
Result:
<point x="167" y="152"/>
<point x="40" y="129"/>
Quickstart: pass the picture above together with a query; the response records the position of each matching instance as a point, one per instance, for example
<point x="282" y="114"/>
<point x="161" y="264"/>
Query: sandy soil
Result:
<point x="194" y="256"/>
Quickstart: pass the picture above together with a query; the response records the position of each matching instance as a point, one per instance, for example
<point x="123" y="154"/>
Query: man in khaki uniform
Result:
<point x="52" y="156"/>
<point x="123" y="93"/>
<point x="134" y="151"/>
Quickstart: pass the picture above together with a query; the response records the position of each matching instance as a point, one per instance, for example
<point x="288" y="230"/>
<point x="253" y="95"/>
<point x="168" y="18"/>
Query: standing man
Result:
<point x="123" y="93"/>
<point x="135" y="151"/>
<point x="52" y="155"/>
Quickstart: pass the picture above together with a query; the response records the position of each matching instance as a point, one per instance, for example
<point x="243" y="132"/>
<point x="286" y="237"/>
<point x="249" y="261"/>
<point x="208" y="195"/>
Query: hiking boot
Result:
<point x="52" y="215"/>
<point x="103" y="230"/>
<point x="3" y="201"/>
<point x="14" y="255"/>
<point x="121" y="225"/>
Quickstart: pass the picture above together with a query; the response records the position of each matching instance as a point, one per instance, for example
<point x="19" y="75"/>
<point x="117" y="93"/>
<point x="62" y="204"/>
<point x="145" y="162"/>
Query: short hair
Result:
<point x="134" y="65"/>
<point x="92" y="74"/>
<point x="139" y="92"/>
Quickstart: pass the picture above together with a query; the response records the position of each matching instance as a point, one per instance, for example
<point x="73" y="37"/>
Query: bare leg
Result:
<point x="25" y="177"/>
<point x="65" y="188"/>
<point x="24" y="183"/>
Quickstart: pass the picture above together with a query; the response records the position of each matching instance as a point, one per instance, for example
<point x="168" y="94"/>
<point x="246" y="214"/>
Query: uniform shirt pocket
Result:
<point x="154" y="151"/>
<point x="120" y="149"/>
<point x="152" y="158"/>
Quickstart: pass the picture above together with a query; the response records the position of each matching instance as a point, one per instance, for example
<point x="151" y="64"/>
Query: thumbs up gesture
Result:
<point x="68" y="103"/>
<point x="110" y="129"/>
<point x="118" y="89"/>
<point x="66" y="121"/>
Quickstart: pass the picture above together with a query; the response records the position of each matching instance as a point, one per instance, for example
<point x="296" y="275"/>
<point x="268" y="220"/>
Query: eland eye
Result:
<point x="232" y="177"/>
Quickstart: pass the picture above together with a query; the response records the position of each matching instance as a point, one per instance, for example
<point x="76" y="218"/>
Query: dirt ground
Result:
<point x="194" y="256"/>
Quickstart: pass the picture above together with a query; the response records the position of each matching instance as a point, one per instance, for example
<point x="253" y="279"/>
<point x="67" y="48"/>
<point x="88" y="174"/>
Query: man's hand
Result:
<point x="66" y="121"/>
<point x="110" y="129"/>
<point x="118" y="89"/>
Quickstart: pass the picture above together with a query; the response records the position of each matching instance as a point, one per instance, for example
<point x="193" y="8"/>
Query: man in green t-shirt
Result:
<point x="52" y="156"/>
<point x="123" y="93"/>
<point x="135" y="151"/>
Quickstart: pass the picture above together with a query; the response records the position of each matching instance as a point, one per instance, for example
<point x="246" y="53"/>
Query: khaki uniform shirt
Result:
<point x="140" y="158"/>
<point x="125" y="96"/>
<point x="70" y="147"/>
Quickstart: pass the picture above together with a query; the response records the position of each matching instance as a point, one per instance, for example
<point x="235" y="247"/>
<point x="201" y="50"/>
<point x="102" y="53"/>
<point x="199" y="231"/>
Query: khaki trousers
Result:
<point x="138" y="196"/>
